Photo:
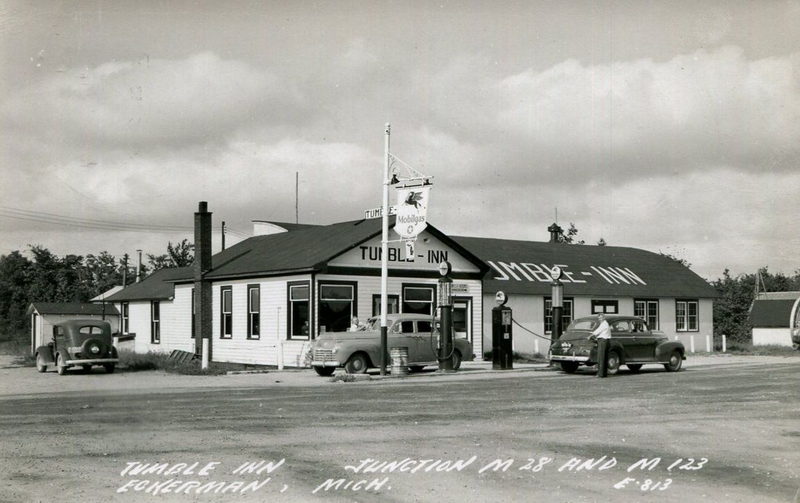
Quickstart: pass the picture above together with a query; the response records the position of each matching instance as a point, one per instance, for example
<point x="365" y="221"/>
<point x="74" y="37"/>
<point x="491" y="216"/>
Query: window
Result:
<point x="194" y="312"/>
<point x="686" y="319"/>
<point x="337" y="306"/>
<point x="424" y="327"/>
<point x="605" y="306"/>
<point x="298" y="309"/>
<point x="647" y="309"/>
<point x="566" y="314"/>
<point x="392" y="303"/>
<point x="226" y="312"/>
<point x="253" y="311"/>
<point x="155" y="322"/>
<point x="419" y="299"/>
<point x="125" y="318"/>
<point x="89" y="330"/>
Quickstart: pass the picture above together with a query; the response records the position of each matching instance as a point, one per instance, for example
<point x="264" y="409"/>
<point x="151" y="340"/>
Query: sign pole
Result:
<point x="385" y="249"/>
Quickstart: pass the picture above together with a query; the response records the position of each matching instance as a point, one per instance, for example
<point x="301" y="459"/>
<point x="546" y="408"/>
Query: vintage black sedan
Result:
<point x="632" y="343"/>
<point x="78" y="343"/>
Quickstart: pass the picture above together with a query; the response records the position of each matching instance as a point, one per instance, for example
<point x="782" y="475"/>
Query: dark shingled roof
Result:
<point x="158" y="286"/>
<point x="589" y="265"/>
<point x="72" y="308"/>
<point x="771" y="313"/>
<point x="304" y="250"/>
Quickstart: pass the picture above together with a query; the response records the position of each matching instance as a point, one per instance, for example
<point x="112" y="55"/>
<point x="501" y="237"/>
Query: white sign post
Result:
<point x="385" y="249"/>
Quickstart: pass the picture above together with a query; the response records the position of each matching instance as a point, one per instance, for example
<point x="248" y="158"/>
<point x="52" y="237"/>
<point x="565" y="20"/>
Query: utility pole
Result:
<point x="223" y="234"/>
<point x="385" y="248"/>
<point x="124" y="270"/>
<point x="139" y="267"/>
<point x="297" y="197"/>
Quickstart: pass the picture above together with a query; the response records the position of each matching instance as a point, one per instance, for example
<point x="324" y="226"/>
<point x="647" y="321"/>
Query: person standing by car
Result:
<point x="602" y="333"/>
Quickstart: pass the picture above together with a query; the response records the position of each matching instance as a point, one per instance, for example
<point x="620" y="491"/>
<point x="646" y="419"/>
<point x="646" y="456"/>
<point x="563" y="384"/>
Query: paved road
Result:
<point x="734" y="428"/>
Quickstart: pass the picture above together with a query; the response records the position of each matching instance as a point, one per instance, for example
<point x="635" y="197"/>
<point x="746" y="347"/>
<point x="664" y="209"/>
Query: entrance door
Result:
<point x="462" y="318"/>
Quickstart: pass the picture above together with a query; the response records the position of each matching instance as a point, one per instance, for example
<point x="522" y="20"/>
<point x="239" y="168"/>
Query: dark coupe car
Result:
<point x="632" y="343"/>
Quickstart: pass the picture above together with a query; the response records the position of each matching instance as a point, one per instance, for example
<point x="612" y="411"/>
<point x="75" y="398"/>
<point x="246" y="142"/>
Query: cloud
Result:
<point x="626" y="119"/>
<point x="151" y="102"/>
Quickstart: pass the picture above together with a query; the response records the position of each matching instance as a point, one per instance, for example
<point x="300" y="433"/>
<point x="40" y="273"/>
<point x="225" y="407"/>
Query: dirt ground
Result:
<point x="723" y="429"/>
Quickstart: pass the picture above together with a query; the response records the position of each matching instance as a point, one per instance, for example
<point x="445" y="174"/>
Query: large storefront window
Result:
<point x="337" y="306"/>
<point x="647" y="309"/>
<point x="566" y="314"/>
<point x="419" y="299"/>
<point x="299" y="309"/>
<point x="686" y="318"/>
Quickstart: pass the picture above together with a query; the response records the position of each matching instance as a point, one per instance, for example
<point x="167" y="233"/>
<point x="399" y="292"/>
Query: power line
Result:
<point x="96" y="224"/>
<point x="52" y="218"/>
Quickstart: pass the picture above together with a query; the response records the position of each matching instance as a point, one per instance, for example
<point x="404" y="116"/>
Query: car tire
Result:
<point x="356" y="364"/>
<point x="60" y="365"/>
<point x="86" y="369"/>
<point x="634" y="367"/>
<point x="612" y="365"/>
<point x="455" y="360"/>
<point x="324" y="371"/>
<point x="569" y="367"/>
<point x="110" y="367"/>
<point x="416" y="368"/>
<point x="41" y="366"/>
<point x="675" y="362"/>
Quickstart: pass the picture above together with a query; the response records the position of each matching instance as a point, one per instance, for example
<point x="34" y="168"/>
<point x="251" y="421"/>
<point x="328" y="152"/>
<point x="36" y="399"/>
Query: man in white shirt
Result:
<point x="602" y="333"/>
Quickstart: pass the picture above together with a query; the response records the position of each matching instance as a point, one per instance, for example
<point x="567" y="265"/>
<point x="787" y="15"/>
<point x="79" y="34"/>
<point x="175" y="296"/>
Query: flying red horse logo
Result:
<point x="414" y="199"/>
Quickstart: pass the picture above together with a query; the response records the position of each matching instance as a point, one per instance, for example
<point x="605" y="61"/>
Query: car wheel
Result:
<point x="357" y="364"/>
<point x="60" y="365"/>
<point x="675" y="362"/>
<point x="41" y="366"/>
<point x="569" y="367"/>
<point x="415" y="368"/>
<point x="456" y="360"/>
<point x="612" y="367"/>
<point x="634" y="367"/>
<point x="324" y="371"/>
<point x="110" y="367"/>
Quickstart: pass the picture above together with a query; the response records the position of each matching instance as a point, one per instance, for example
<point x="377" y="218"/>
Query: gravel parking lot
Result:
<point x="724" y="429"/>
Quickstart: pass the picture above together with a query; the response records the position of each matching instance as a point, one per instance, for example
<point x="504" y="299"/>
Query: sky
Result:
<point x="667" y="126"/>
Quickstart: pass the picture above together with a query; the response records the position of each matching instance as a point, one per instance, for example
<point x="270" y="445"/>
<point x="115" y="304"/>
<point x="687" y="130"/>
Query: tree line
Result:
<point x="42" y="276"/>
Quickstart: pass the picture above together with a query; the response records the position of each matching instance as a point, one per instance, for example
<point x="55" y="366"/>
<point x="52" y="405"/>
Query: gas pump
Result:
<point x="502" y="341"/>
<point x="558" y="302"/>
<point x="445" y="301"/>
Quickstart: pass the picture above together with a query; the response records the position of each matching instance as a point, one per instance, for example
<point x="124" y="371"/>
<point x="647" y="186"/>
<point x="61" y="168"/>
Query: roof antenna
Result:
<point x="296" y="191"/>
<point x="556" y="214"/>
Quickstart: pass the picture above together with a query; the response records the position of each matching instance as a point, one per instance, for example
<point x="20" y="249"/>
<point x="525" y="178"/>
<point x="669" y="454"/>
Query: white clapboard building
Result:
<point x="265" y="299"/>
<point x="272" y="294"/>
<point x="596" y="279"/>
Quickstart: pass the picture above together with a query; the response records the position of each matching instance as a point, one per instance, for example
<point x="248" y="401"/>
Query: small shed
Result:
<point x="773" y="315"/>
<point x="45" y="314"/>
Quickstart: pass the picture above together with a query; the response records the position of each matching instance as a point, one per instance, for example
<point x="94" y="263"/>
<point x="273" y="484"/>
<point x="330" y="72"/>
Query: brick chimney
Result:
<point x="202" y="287"/>
<point x="555" y="233"/>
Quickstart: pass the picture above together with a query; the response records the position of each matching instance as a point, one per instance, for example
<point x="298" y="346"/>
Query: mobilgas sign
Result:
<point x="526" y="271"/>
<point x="412" y="210"/>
